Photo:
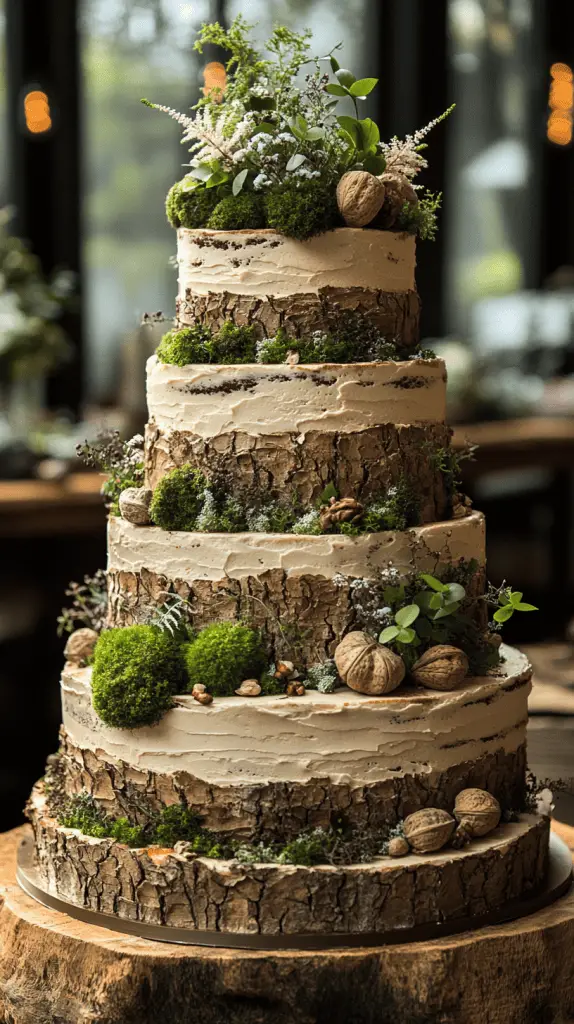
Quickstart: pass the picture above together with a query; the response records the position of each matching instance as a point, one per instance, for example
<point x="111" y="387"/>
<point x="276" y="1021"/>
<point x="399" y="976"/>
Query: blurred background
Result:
<point x="85" y="249"/>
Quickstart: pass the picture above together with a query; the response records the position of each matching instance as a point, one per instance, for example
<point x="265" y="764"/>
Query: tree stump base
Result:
<point x="57" y="969"/>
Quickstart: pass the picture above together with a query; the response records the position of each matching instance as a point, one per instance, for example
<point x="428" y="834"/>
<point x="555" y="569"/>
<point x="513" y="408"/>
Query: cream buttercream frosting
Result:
<point x="344" y="736"/>
<point x="215" y="556"/>
<point x="266" y="399"/>
<point x="266" y="263"/>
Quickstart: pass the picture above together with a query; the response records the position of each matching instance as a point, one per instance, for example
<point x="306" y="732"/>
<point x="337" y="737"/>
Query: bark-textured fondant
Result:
<point x="280" y="810"/>
<point x="396" y="314"/>
<point x="361" y="464"/>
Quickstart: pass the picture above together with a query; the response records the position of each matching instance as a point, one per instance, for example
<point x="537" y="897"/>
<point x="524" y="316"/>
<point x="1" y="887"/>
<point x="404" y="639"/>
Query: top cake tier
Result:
<point x="269" y="281"/>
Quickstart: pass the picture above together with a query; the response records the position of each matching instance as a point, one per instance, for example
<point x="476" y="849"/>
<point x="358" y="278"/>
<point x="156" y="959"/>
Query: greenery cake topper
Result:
<point x="269" y="147"/>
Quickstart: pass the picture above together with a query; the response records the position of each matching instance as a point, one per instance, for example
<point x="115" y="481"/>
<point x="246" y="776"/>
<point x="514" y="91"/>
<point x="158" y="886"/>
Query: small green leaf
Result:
<point x="523" y="607"/>
<point x="406" y="636"/>
<point x="424" y="600"/>
<point x="374" y="163"/>
<point x="202" y="172"/>
<point x="238" y="182"/>
<point x="436" y="601"/>
<point x="314" y="134"/>
<point x="295" y="161"/>
<point x="391" y="595"/>
<point x="345" y="77"/>
<point x="503" y="614"/>
<point x="351" y="126"/>
<point x="407" y="615"/>
<point x="217" y="178"/>
<point x="363" y="86"/>
<point x="388" y="634"/>
<point x="447" y="609"/>
<point x="336" y="90"/>
<point x="515" y="597"/>
<point x="455" y="592"/>
<point x="266" y="127"/>
<point x="329" y="492"/>
<point x="432" y="582"/>
<point x="334" y="64"/>
<point x="370" y="135"/>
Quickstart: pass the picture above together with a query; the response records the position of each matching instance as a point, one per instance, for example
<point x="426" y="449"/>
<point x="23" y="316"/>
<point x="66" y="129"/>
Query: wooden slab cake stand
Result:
<point x="54" y="968"/>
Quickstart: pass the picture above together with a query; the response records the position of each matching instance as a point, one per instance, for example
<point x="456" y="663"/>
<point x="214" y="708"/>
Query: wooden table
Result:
<point x="518" y="444"/>
<point x="40" y="508"/>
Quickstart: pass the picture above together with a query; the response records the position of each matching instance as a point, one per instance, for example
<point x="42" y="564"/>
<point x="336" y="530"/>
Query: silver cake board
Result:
<point x="557" y="883"/>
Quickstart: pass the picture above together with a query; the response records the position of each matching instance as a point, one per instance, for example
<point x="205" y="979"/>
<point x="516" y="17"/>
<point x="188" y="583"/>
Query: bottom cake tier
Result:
<point x="163" y="887"/>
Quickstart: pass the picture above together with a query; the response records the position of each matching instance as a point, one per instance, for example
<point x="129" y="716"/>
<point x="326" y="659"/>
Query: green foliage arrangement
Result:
<point x="302" y="211"/>
<point x="353" y="339"/>
<point x="169" y="826"/>
<point x="507" y="602"/>
<point x="178" y="498"/>
<point x="420" y="218"/>
<point x="197" y="344"/>
<point x="137" y="670"/>
<point x="223" y="655"/>
<point x="122" y="461"/>
<point x="236" y="212"/>
<point x="448" y="461"/>
<point x="89" y="604"/>
<point x="275" y="133"/>
<point x="189" y="207"/>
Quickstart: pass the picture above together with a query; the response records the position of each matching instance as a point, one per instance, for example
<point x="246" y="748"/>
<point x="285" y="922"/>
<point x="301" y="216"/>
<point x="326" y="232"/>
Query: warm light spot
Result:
<point x="37" y="112"/>
<point x="561" y="103"/>
<point x="561" y="72"/>
<point x="559" y="128"/>
<point x="215" y="80"/>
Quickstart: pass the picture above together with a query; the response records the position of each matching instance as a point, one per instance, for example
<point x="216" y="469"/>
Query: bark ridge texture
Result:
<point x="396" y="314"/>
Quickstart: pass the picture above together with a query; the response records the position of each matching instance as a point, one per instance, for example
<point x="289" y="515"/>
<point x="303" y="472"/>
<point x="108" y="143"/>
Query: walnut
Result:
<point x="367" y="666"/>
<point x="398" y="847"/>
<point x="80" y="646"/>
<point x="398" y="191"/>
<point x="134" y="505"/>
<point x="461" y="506"/>
<point x="428" y="830"/>
<point x="344" y="510"/>
<point x="249" y="688"/>
<point x="202" y="698"/>
<point x="477" y="811"/>
<point x="441" y="668"/>
<point x="360" y="196"/>
<point x="295" y="689"/>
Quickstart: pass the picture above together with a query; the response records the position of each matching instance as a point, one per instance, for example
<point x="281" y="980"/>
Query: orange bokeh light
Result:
<point x="559" y="128"/>
<point x="561" y="72"/>
<point x="215" y="80"/>
<point x="37" y="112"/>
<point x="561" y="103"/>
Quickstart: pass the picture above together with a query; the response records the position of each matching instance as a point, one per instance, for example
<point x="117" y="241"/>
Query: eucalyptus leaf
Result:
<point x="363" y="86"/>
<point x="334" y="64"/>
<point x="314" y="134"/>
<point x="455" y="592"/>
<point x="523" y="607"/>
<point x="502" y="614"/>
<point x="295" y="161"/>
<point x="238" y="182"/>
<point x="336" y="90"/>
<point x="432" y="582"/>
<point x="345" y="77"/>
<point x="407" y="615"/>
<point x="388" y="634"/>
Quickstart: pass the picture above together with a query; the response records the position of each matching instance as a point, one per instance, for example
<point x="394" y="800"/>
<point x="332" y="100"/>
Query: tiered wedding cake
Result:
<point x="364" y="778"/>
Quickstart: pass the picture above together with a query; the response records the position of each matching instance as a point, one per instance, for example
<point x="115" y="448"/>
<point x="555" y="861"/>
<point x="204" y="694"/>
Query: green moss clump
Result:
<point x="223" y="655"/>
<point x="175" y="824"/>
<point x="309" y="848"/>
<point x="180" y="348"/>
<point x="190" y="207"/>
<point x="399" y="509"/>
<point x="82" y="813"/>
<point x="137" y="669"/>
<point x="123" y="832"/>
<point x="233" y="344"/>
<point x="178" y="498"/>
<point x="234" y="213"/>
<point x="302" y="211"/>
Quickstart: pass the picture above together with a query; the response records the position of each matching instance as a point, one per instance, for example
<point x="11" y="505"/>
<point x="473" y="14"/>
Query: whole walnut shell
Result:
<point x="441" y="668"/>
<point x="134" y="505"/>
<point x="398" y="847"/>
<point x="345" y="510"/>
<point x="360" y="196"/>
<point x="478" y="811"/>
<point x="428" y="830"/>
<point x="367" y="666"/>
<point x="80" y="646"/>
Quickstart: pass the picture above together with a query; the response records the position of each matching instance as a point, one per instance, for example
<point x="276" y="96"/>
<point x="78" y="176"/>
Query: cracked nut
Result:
<point x="428" y="830"/>
<point x="398" y="191"/>
<point x="198" y="688"/>
<point x="360" y="196"/>
<point x="441" y="668"/>
<point x="478" y="811"/>
<point x="80" y="646"/>
<point x="284" y="670"/>
<point x="462" y="836"/>
<point x="248" y="688"/>
<point x="345" y="510"/>
<point x="203" y="698"/>
<point x="134" y="505"/>
<point x="367" y="666"/>
<point x="398" y="847"/>
<point x="295" y="689"/>
<point x="185" y="850"/>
